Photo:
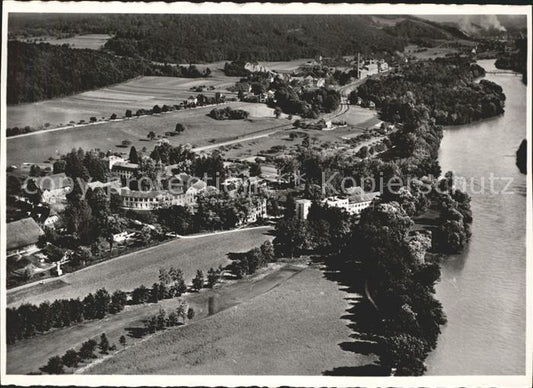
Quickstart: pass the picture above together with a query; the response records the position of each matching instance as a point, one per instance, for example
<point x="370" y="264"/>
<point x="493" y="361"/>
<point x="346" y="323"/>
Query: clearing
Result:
<point x="27" y="356"/>
<point x="200" y="129"/>
<point x="86" y="41"/>
<point x="141" y="92"/>
<point x="296" y="328"/>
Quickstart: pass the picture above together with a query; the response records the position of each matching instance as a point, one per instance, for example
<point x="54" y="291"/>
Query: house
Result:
<point x="22" y="237"/>
<point x="257" y="210"/>
<point x="191" y="101"/>
<point x="113" y="159"/>
<point x="51" y="221"/>
<point x="302" y="208"/>
<point x="55" y="187"/>
<point x="122" y="236"/>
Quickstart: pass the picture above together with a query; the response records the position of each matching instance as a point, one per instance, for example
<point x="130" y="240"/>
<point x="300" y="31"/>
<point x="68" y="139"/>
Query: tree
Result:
<point x="101" y="303"/>
<point x="190" y="314"/>
<point x="33" y="192"/>
<point x="122" y="341"/>
<point x="134" y="158"/>
<point x="181" y="311"/>
<point x="151" y="135"/>
<point x="164" y="276"/>
<point x="104" y="344"/>
<point x="267" y="249"/>
<point x="255" y="169"/>
<point x="405" y="353"/>
<point x="172" y="319"/>
<point x="128" y="113"/>
<point x="118" y="301"/>
<point x="54" y="366"/>
<point x="87" y="349"/>
<point x="140" y="295"/>
<point x="213" y="277"/>
<point x="179" y="128"/>
<point x="151" y="324"/>
<point x="161" y="319"/>
<point x="113" y="116"/>
<point x="59" y="166"/>
<point x="70" y="358"/>
<point x="35" y="171"/>
<point x="198" y="281"/>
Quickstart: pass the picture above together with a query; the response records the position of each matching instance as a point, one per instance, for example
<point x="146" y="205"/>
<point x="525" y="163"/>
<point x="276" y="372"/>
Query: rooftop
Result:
<point x="22" y="233"/>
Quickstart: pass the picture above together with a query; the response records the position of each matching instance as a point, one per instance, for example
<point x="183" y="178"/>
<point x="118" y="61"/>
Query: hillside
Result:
<point x="209" y="38"/>
<point x="42" y="71"/>
<point x="422" y="29"/>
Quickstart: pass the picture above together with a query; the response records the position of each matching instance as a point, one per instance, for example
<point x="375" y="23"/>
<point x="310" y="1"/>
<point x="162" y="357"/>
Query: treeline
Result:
<point x="446" y="86"/>
<point x="43" y="71"/>
<point x="27" y="320"/>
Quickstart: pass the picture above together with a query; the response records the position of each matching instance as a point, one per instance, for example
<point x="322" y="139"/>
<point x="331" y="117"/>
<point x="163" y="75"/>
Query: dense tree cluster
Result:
<point x="210" y="38"/>
<point x="401" y="284"/>
<point x="228" y="113"/>
<point x="27" y="320"/>
<point x="445" y="86"/>
<point x="515" y="60"/>
<point x="43" y="71"/>
<point x="307" y="102"/>
<point x="247" y="263"/>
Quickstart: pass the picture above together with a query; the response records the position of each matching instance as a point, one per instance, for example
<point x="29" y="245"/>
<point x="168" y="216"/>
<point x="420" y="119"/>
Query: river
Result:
<point x="483" y="290"/>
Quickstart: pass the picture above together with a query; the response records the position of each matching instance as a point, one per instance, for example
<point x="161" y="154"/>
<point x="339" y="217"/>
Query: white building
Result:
<point x="302" y="208"/>
<point x="353" y="204"/>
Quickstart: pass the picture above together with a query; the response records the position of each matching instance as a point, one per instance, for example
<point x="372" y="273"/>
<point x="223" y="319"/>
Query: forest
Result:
<point x="209" y="38"/>
<point x="446" y="86"/>
<point x="42" y="71"/>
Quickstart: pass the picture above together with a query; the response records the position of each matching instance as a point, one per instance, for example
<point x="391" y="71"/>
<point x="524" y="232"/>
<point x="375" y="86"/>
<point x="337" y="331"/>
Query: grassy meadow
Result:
<point x="293" y="329"/>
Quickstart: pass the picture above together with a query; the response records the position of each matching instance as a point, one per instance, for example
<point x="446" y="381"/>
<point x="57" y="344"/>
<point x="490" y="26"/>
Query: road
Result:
<point x="131" y="270"/>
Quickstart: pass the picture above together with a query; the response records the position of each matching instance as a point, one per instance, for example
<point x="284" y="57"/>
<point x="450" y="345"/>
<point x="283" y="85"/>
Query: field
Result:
<point x="200" y="130"/>
<point x="87" y="41"/>
<point x="356" y="118"/>
<point x="132" y="270"/>
<point x="293" y="329"/>
<point x="29" y="355"/>
<point x="142" y="92"/>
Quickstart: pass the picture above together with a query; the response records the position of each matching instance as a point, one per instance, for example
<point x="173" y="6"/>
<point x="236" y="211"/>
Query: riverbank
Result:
<point x="483" y="289"/>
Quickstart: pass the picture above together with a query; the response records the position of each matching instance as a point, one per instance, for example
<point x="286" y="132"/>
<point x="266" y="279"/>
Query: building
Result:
<point x="257" y="210"/>
<point x="354" y="203"/>
<point x="183" y="190"/>
<point x="22" y="237"/>
<point x="124" y="170"/>
<point x="54" y="188"/>
<point x="112" y="185"/>
<point x="302" y="208"/>
<point x="150" y="200"/>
